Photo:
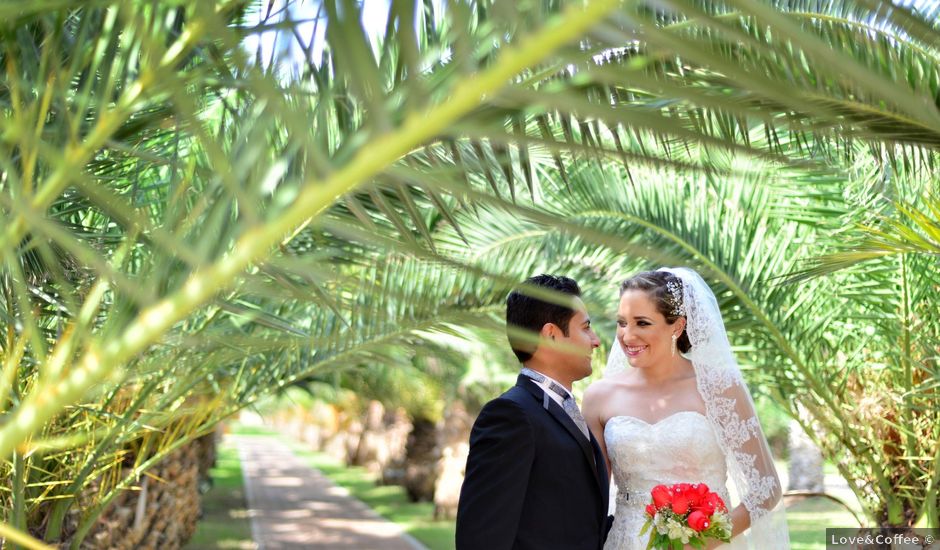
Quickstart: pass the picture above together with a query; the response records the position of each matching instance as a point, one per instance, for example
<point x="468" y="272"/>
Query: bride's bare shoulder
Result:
<point x="603" y="389"/>
<point x="598" y="388"/>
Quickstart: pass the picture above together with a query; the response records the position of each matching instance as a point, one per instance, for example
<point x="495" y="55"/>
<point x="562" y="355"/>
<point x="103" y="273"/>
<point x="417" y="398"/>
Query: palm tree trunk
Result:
<point x="454" y="438"/>
<point x="806" y="461"/>
<point x="421" y="458"/>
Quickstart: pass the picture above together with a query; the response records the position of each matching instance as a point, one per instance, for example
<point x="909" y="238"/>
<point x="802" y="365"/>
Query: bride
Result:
<point x="681" y="412"/>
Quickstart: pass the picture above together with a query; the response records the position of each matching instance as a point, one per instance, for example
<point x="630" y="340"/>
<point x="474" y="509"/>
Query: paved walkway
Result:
<point x="294" y="506"/>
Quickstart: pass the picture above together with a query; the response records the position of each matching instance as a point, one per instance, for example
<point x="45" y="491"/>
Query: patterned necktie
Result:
<point x="575" y="413"/>
<point x="568" y="403"/>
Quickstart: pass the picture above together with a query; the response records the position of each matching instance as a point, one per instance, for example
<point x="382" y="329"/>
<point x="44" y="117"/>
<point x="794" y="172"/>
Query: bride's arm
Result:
<point x="763" y="490"/>
<point x="594" y="398"/>
<point x="740" y="520"/>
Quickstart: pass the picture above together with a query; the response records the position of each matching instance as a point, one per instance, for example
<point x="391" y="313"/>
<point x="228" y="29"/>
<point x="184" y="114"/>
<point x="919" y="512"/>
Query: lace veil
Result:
<point x="730" y="412"/>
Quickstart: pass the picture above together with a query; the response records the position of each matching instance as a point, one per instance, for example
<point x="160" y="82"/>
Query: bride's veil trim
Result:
<point x="730" y="412"/>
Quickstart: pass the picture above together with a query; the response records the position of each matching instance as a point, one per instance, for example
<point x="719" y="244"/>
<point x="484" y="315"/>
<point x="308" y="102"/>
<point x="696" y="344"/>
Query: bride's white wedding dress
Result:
<point x="679" y="448"/>
<point x="690" y="447"/>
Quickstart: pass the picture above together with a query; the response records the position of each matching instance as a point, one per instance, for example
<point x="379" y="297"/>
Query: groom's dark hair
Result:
<point x="538" y="301"/>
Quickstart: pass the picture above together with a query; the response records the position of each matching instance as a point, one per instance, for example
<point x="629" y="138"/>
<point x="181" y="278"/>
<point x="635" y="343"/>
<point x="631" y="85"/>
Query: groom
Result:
<point x="536" y="477"/>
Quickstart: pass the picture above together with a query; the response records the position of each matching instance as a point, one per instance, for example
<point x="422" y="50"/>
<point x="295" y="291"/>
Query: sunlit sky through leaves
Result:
<point x="310" y="18"/>
<point x="289" y="47"/>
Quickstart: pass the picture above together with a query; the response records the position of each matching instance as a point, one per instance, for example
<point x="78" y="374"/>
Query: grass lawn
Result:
<point x="224" y="523"/>
<point x="809" y="519"/>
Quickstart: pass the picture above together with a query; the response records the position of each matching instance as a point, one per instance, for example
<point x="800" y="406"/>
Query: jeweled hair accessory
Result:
<point x="675" y="290"/>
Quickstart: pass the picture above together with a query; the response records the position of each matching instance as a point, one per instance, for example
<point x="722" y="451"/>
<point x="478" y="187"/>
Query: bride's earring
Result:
<point x="674" y="338"/>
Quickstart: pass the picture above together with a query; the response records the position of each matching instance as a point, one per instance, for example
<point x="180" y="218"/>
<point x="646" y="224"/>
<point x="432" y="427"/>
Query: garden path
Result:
<point x="294" y="506"/>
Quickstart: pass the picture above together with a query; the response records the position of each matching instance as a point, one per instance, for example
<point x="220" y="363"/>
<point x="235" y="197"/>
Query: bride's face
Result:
<point x="642" y="331"/>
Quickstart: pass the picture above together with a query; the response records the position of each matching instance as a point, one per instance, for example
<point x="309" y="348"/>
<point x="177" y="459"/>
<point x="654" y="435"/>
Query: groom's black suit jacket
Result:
<point x="531" y="480"/>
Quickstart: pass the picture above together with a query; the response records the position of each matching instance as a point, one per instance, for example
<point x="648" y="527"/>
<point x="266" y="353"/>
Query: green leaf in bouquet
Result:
<point x="646" y="526"/>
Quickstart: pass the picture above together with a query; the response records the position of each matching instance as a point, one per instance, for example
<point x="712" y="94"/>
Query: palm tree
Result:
<point x="218" y="189"/>
<point x="827" y="344"/>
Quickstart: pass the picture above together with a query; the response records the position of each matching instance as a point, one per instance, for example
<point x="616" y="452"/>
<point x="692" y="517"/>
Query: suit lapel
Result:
<point x="559" y="414"/>
<point x="603" y="482"/>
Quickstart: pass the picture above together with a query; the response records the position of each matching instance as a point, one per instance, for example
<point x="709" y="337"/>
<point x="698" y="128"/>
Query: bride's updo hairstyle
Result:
<point x="665" y="290"/>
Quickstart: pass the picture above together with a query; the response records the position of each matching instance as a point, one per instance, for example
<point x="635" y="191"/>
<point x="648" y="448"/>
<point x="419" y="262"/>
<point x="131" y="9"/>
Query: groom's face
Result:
<point x="578" y="346"/>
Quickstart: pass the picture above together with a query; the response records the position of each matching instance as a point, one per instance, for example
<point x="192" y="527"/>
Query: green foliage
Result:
<point x="186" y="228"/>
<point x="775" y="422"/>
<point x="843" y="346"/>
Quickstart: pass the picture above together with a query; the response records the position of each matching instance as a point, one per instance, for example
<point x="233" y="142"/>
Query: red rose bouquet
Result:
<point x="685" y="514"/>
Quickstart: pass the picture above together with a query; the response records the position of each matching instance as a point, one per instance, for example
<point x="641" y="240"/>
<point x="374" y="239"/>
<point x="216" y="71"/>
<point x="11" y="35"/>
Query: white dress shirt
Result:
<point x="548" y="391"/>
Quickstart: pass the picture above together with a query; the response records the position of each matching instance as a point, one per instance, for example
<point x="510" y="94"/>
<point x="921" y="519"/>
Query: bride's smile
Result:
<point x="633" y="351"/>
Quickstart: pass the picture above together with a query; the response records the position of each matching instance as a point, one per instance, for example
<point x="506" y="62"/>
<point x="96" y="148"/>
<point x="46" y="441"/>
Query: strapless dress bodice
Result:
<point x="680" y="448"/>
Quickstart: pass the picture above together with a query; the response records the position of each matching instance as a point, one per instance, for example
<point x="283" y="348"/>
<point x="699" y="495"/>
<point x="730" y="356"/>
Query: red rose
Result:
<point x="706" y="506"/>
<point x="650" y="510"/>
<point x="719" y="504"/>
<point x="662" y="496"/>
<point x="680" y="504"/>
<point x="695" y="494"/>
<point x="698" y="521"/>
<point x="709" y="504"/>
